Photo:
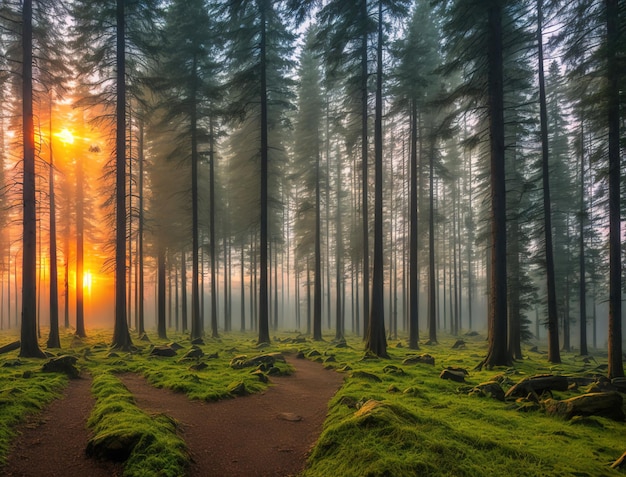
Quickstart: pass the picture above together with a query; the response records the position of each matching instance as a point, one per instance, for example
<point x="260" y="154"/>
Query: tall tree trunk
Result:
<point x="140" y="272"/>
<point x="613" y="39"/>
<point x="197" y="330"/>
<point x="80" y="249"/>
<point x="264" y="332"/>
<point x="29" y="345"/>
<point x="376" y="341"/>
<point x="183" y="291"/>
<point x="121" y="336"/>
<point x="317" y="290"/>
<point x="339" y="313"/>
<point x="242" y="325"/>
<point x="214" y="331"/>
<point x="553" y="323"/>
<point x="582" y="280"/>
<point x="413" y="289"/>
<point x="498" y="353"/>
<point x="53" y="337"/>
<point x="432" y="282"/>
<point x="364" y="175"/>
<point x="161" y="271"/>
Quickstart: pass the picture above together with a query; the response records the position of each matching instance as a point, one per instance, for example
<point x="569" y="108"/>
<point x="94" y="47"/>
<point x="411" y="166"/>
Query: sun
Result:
<point x="66" y="136"/>
<point x="87" y="280"/>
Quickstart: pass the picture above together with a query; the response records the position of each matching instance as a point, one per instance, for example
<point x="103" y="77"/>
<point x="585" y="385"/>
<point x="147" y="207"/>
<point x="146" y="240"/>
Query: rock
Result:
<point x="399" y="345"/>
<point x="144" y="337"/>
<point x="263" y="345"/>
<point x="538" y="385"/>
<point x="198" y="366"/>
<point x="164" y="351"/>
<point x="392" y="369"/>
<point x="313" y="353"/>
<point x="330" y="359"/>
<point x="63" y="364"/>
<point x="490" y="389"/>
<point x="458" y="344"/>
<point x="341" y="344"/>
<point x="197" y="341"/>
<point x="345" y="368"/>
<point x="453" y="375"/>
<point x="300" y="355"/>
<point x="113" y="446"/>
<point x="472" y="333"/>
<point x="242" y="361"/>
<point x="593" y="404"/>
<point x="367" y="376"/>
<point x="289" y="416"/>
<point x="260" y="375"/>
<point x="175" y="346"/>
<point x="274" y="371"/>
<point x="348" y="401"/>
<point x="422" y="358"/>
<point x="11" y="363"/>
<point x="194" y="353"/>
<point x="237" y="388"/>
<point x="212" y="355"/>
<point x="393" y="389"/>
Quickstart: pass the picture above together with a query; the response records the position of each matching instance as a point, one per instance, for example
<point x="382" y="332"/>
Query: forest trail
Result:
<point x="262" y="435"/>
<point x="52" y="443"/>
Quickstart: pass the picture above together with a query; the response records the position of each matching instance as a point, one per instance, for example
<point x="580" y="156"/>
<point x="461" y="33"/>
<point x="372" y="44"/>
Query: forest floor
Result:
<point x="266" y="434"/>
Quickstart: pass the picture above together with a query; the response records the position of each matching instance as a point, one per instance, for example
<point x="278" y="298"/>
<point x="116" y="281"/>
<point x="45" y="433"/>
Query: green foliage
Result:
<point x="435" y="427"/>
<point x="149" y="444"/>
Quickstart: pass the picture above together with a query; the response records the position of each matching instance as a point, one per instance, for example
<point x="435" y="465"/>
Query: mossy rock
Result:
<point x="393" y="389"/>
<point x="345" y="368"/>
<point x="63" y="364"/>
<point x="260" y="375"/>
<point x="375" y="413"/>
<point x="274" y="371"/>
<point x="242" y="361"/>
<point x="212" y="355"/>
<point x="175" y="346"/>
<point x="348" y="401"/>
<point x="194" y="353"/>
<point x="12" y="363"/>
<point x="419" y="359"/>
<point x="197" y="341"/>
<point x="393" y="369"/>
<point x="198" y="366"/>
<point x="453" y="375"/>
<point x="313" y="353"/>
<point x="263" y="345"/>
<point x="413" y="391"/>
<point x="341" y="344"/>
<point x="144" y="337"/>
<point x="330" y="359"/>
<point x="300" y="355"/>
<point x="490" y="389"/>
<point x="112" y="354"/>
<point x="164" y="351"/>
<point x="238" y="388"/>
<point x="367" y="376"/>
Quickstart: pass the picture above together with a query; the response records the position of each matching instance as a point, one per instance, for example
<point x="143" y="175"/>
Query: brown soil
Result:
<point x="261" y="435"/>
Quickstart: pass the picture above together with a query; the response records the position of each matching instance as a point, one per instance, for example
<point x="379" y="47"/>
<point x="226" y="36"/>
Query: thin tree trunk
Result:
<point x="376" y="341"/>
<point x="121" y="336"/>
<point x="80" y="249"/>
<point x="364" y="175"/>
<point x="432" y="282"/>
<point x="214" y="331"/>
<point x="53" y="337"/>
<point x="29" y="345"/>
<point x="161" y="272"/>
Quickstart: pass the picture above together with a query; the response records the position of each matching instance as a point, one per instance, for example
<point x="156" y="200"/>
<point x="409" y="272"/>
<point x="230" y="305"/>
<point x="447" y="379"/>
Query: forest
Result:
<point x="389" y="177"/>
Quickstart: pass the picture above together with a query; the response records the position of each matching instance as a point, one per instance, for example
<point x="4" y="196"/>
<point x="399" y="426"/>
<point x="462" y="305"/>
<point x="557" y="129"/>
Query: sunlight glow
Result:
<point x="87" y="282"/>
<point x="66" y="136"/>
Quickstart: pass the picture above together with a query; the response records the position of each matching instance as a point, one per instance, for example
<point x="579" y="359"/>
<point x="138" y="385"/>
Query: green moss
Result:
<point x="149" y="445"/>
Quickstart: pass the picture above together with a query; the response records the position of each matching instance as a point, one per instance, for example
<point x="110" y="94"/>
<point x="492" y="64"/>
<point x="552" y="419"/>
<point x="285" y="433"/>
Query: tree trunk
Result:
<point x="317" y="290"/>
<point x="214" y="331"/>
<point x="53" y="337"/>
<point x="613" y="39"/>
<point x="376" y="341"/>
<point x="121" y="336"/>
<point x="364" y="173"/>
<point x="582" y="281"/>
<point x="339" y="313"/>
<point x="553" y="323"/>
<point x="264" y="332"/>
<point x="29" y="345"/>
<point x="432" y="282"/>
<point x="498" y="353"/>
<point x="183" y="291"/>
<point x="80" y="249"/>
<point x="140" y="273"/>
<point x="413" y="250"/>
<point x="161" y="271"/>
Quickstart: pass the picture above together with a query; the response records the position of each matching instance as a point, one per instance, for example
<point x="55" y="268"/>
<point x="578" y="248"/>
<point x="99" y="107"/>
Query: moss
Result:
<point x="149" y="445"/>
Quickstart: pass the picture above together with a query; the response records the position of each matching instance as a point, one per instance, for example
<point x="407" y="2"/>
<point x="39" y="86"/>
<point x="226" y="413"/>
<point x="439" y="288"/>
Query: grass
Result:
<point x="388" y="419"/>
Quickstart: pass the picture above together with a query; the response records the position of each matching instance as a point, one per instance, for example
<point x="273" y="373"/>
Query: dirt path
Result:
<point x="52" y="444"/>
<point x="262" y="435"/>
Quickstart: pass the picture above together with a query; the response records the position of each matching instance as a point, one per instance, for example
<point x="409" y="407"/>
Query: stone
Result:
<point x="367" y="376"/>
<point x="453" y="375"/>
<point x="260" y="375"/>
<point x="538" y="385"/>
<point x="198" y="366"/>
<point x="63" y="364"/>
<point x="490" y="389"/>
<point x="237" y="388"/>
<point x="164" y="351"/>
<point x="421" y="359"/>
<point x="175" y="346"/>
<point x="393" y="369"/>
<point x="194" y="353"/>
<point x="289" y="416"/>
<point x="458" y="344"/>
<point x="607" y="405"/>
<point x="197" y="341"/>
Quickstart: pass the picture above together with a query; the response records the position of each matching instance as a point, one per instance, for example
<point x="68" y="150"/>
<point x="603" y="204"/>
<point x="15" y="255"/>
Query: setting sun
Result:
<point x="66" y="136"/>
<point x="87" y="280"/>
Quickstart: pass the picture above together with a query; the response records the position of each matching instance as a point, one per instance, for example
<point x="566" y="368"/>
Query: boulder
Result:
<point x="421" y="359"/>
<point x="198" y="366"/>
<point x="593" y="404"/>
<point x="194" y="353"/>
<point x="490" y="389"/>
<point x="458" y="344"/>
<point x="197" y="341"/>
<point x="242" y="361"/>
<point x="453" y="375"/>
<point x="367" y="376"/>
<point x="164" y="351"/>
<point x="63" y="364"/>
<point x="175" y="346"/>
<point x="237" y="388"/>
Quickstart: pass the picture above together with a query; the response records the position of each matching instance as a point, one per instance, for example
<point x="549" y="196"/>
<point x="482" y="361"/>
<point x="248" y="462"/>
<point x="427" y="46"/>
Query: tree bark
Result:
<point x="29" y="345"/>
<point x="616" y="364"/>
<point x="498" y="353"/>
<point x="53" y="337"/>
<point x="121" y="336"/>
<point x="413" y="249"/>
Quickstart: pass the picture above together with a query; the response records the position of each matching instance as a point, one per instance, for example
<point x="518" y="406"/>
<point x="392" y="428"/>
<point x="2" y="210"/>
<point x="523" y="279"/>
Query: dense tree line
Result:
<point x="249" y="139"/>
